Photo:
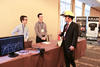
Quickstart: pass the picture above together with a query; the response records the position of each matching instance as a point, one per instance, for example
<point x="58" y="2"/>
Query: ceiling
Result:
<point x="92" y="3"/>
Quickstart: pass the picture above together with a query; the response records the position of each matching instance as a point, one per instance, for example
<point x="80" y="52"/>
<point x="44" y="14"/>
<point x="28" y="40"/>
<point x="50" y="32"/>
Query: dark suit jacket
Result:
<point x="71" y="35"/>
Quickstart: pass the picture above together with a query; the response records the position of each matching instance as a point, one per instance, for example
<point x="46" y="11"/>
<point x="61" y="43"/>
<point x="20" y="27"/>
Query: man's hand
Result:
<point x="43" y="38"/>
<point x="25" y="40"/>
<point x="59" y="32"/>
<point x="71" y="48"/>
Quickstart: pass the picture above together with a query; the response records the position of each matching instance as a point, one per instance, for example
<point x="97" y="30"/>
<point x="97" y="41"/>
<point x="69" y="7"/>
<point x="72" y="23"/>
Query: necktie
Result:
<point x="66" y="28"/>
<point x="23" y="28"/>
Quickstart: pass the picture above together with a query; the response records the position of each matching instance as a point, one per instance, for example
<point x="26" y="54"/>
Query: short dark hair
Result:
<point x="39" y="14"/>
<point x="72" y="17"/>
<point x="22" y="18"/>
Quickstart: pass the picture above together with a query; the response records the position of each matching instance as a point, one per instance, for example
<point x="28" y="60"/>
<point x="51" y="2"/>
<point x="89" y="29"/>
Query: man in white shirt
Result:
<point x="22" y="29"/>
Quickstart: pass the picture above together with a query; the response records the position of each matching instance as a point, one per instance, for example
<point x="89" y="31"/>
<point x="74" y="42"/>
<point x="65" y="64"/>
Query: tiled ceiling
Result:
<point x="92" y="3"/>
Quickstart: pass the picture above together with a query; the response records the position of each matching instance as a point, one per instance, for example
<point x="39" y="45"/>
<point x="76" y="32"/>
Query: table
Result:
<point x="53" y="56"/>
<point x="80" y="48"/>
<point x="28" y="44"/>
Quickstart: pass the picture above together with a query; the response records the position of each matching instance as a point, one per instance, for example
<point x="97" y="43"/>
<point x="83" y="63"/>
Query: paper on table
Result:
<point x="31" y="51"/>
<point x="4" y="59"/>
<point x="23" y="52"/>
<point x="46" y="42"/>
<point x="59" y="43"/>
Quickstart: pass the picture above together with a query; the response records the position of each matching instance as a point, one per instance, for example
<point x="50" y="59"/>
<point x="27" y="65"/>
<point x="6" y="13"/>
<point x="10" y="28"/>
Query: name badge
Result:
<point x="64" y="34"/>
<point x="42" y="30"/>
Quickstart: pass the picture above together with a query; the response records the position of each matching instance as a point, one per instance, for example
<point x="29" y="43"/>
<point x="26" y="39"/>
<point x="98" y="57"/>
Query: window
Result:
<point x="64" y="5"/>
<point x="87" y="13"/>
<point x="87" y="10"/>
<point x="78" y="8"/>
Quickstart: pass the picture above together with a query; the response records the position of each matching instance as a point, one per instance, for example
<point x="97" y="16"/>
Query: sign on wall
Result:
<point x="81" y="21"/>
<point x="92" y="28"/>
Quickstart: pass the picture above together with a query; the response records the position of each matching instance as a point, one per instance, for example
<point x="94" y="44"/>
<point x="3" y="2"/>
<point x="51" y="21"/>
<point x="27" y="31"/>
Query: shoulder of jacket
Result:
<point x="36" y="23"/>
<point x="44" y="23"/>
<point x="75" y="23"/>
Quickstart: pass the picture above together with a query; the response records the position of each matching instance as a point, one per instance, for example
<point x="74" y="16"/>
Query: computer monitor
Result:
<point x="9" y="45"/>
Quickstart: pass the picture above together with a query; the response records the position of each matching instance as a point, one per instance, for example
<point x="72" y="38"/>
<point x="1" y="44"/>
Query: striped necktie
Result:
<point x="66" y="28"/>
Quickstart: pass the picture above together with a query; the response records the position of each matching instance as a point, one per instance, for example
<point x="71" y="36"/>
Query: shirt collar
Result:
<point x="39" y="22"/>
<point x="70" y="23"/>
<point x="23" y="25"/>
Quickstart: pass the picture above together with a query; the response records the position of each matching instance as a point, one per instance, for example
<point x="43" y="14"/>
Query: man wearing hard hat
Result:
<point x="70" y="36"/>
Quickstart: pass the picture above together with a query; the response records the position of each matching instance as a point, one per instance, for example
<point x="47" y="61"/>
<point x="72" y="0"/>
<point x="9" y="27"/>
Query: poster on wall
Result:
<point x="92" y="28"/>
<point x="81" y="21"/>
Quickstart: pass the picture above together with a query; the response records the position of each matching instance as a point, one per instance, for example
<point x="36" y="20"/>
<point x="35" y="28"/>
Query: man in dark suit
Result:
<point x="70" y="36"/>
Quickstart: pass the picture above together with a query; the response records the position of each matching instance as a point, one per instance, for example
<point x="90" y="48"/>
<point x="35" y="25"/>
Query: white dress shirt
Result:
<point x="21" y="30"/>
<point x="67" y="28"/>
<point x="69" y="24"/>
